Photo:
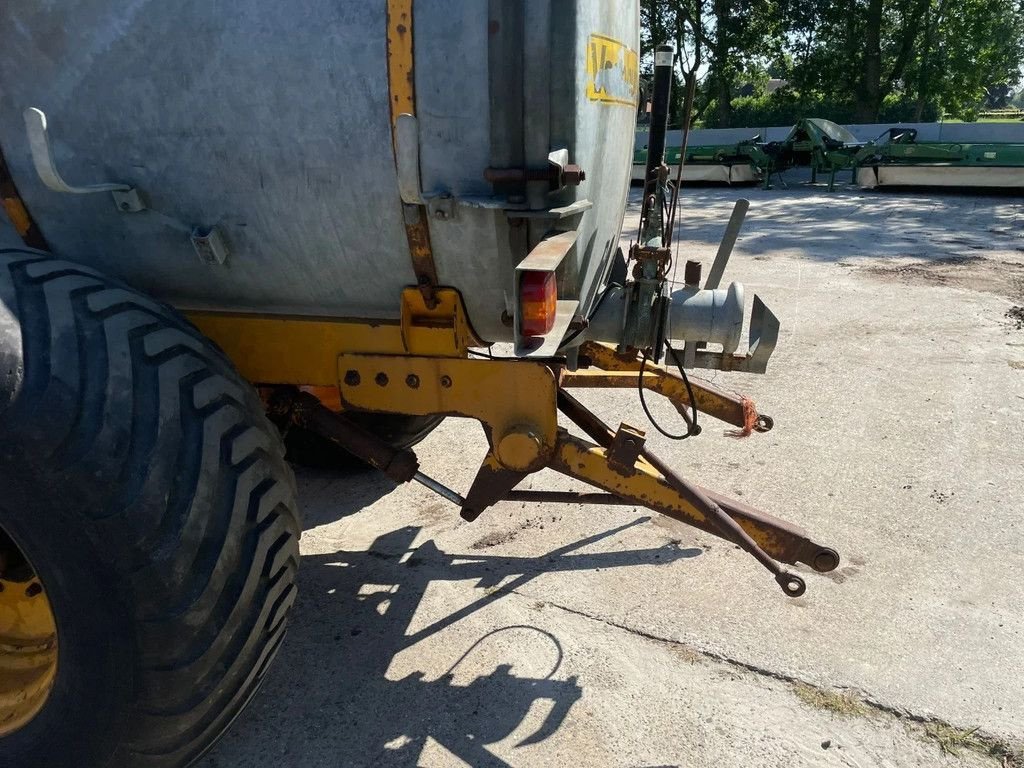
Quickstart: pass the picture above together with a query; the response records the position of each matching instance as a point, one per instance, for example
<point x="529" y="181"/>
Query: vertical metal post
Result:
<point x="664" y="58"/>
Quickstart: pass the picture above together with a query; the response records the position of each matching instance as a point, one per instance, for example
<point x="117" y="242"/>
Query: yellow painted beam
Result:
<point x="294" y="350"/>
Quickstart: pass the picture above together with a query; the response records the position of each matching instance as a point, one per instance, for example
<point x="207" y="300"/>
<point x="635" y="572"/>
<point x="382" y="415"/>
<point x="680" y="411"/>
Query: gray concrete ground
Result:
<point x="596" y="636"/>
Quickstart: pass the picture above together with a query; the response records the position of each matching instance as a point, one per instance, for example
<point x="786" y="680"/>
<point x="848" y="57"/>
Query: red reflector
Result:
<point x="538" y="302"/>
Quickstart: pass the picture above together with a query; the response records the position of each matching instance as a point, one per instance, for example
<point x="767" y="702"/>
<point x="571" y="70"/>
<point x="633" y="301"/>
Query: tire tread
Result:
<point x="116" y="391"/>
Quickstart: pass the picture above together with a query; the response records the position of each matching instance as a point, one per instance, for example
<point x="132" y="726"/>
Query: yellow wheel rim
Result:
<point x="28" y="641"/>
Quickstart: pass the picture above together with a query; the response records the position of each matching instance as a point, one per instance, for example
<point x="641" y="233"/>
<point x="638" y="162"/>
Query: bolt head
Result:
<point x="412" y="381"/>
<point x="381" y="379"/>
<point x="446" y="381"/>
<point x="573" y="176"/>
<point x="352" y="378"/>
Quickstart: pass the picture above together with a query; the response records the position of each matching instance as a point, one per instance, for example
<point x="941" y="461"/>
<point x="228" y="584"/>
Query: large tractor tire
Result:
<point x="148" y="527"/>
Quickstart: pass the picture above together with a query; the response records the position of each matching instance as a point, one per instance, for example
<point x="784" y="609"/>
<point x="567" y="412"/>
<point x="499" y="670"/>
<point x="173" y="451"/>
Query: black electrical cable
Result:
<point x="695" y="430"/>
<point x="692" y="428"/>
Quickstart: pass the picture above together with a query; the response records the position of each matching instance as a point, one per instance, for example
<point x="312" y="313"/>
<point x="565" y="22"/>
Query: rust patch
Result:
<point x="402" y="87"/>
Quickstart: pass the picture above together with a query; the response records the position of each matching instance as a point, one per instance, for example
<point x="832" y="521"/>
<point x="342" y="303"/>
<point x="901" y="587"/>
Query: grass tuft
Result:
<point x="951" y="740"/>
<point x="832" y="701"/>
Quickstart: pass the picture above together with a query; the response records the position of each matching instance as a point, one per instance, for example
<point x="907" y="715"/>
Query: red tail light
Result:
<point x="538" y="302"/>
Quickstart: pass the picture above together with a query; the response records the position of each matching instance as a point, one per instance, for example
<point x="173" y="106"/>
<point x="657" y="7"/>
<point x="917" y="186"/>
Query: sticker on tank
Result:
<point x="612" y="71"/>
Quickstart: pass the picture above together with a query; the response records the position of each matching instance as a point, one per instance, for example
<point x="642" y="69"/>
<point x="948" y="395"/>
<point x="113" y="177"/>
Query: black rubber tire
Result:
<point x="308" y="449"/>
<point x="144" y="483"/>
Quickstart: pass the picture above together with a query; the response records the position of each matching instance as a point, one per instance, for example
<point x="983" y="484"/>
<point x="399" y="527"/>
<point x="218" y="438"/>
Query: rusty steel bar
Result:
<point x="729" y="529"/>
<point x="769" y="531"/>
<point x="440" y="489"/>
<point x="291" y="406"/>
<point x="577" y="412"/>
<point x="789" y="540"/>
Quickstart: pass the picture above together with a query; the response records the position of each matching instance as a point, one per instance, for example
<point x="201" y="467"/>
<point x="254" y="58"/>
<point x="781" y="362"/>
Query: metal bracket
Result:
<point x="626" y="447"/>
<point x="442" y="330"/>
<point x="209" y="245"/>
<point x="514" y="400"/>
<point x="125" y="196"/>
<point x="609" y="370"/>
<point x="764" y="336"/>
<point x="407" y="158"/>
<point x="442" y="207"/>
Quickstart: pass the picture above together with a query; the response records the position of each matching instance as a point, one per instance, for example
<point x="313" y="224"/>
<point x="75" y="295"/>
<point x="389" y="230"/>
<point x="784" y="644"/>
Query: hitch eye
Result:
<point x="538" y="302"/>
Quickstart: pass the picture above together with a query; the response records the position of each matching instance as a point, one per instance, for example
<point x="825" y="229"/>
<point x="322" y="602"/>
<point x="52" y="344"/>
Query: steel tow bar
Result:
<point x="791" y="584"/>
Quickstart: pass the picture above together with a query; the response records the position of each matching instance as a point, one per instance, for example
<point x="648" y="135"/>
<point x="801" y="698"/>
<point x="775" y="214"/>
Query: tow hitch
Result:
<point x="516" y="401"/>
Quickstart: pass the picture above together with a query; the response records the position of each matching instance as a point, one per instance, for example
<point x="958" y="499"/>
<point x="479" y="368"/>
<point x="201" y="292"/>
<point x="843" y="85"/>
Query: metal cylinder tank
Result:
<point x="265" y="129"/>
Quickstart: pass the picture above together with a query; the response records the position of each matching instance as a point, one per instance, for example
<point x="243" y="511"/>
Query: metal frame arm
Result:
<point x="624" y="373"/>
<point x="644" y="486"/>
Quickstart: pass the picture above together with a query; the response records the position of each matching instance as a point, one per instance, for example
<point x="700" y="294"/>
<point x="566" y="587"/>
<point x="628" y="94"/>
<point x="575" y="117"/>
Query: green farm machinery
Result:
<point x="737" y="163"/>
<point x="899" y="159"/>
<point x="896" y="158"/>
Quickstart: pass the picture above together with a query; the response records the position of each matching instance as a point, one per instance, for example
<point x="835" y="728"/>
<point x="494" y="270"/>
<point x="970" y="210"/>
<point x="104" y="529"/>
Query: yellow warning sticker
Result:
<point x="613" y="72"/>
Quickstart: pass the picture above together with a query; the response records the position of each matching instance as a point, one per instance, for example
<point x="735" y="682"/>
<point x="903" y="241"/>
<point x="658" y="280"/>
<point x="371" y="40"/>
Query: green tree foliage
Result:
<point x="966" y="48"/>
<point x="724" y="39"/>
<point x="848" y="60"/>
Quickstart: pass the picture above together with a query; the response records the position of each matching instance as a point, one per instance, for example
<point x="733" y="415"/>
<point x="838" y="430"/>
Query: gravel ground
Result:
<point x="597" y="636"/>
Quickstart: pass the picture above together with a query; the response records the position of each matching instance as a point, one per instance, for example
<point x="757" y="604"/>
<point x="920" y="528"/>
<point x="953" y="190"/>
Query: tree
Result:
<point x="745" y="36"/>
<point x="967" y="48"/>
<point x="854" y="60"/>
<point x="854" y="51"/>
<point x="733" y="37"/>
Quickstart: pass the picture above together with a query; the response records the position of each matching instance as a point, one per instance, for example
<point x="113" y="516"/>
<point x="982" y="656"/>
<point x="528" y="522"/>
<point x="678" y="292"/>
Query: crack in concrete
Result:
<point x="993" y="745"/>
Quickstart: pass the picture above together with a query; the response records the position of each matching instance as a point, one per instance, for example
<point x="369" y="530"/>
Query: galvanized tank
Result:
<point x="270" y="122"/>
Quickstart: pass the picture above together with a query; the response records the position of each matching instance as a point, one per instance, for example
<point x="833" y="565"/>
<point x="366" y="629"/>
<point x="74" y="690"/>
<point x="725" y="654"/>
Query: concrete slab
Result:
<point x="538" y="636"/>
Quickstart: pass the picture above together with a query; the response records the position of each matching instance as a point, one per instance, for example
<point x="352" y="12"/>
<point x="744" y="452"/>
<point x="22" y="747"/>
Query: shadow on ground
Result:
<point x="356" y="613"/>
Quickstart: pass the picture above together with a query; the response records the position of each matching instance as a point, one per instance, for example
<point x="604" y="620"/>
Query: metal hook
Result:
<point x="125" y="196"/>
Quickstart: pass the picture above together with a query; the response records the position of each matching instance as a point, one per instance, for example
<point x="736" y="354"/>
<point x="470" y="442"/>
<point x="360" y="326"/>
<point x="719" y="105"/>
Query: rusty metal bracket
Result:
<point x="402" y="100"/>
<point x="492" y="484"/>
<point x="616" y="371"/>
<point x="626" y="447"/>
<point x="441" y="329"/>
